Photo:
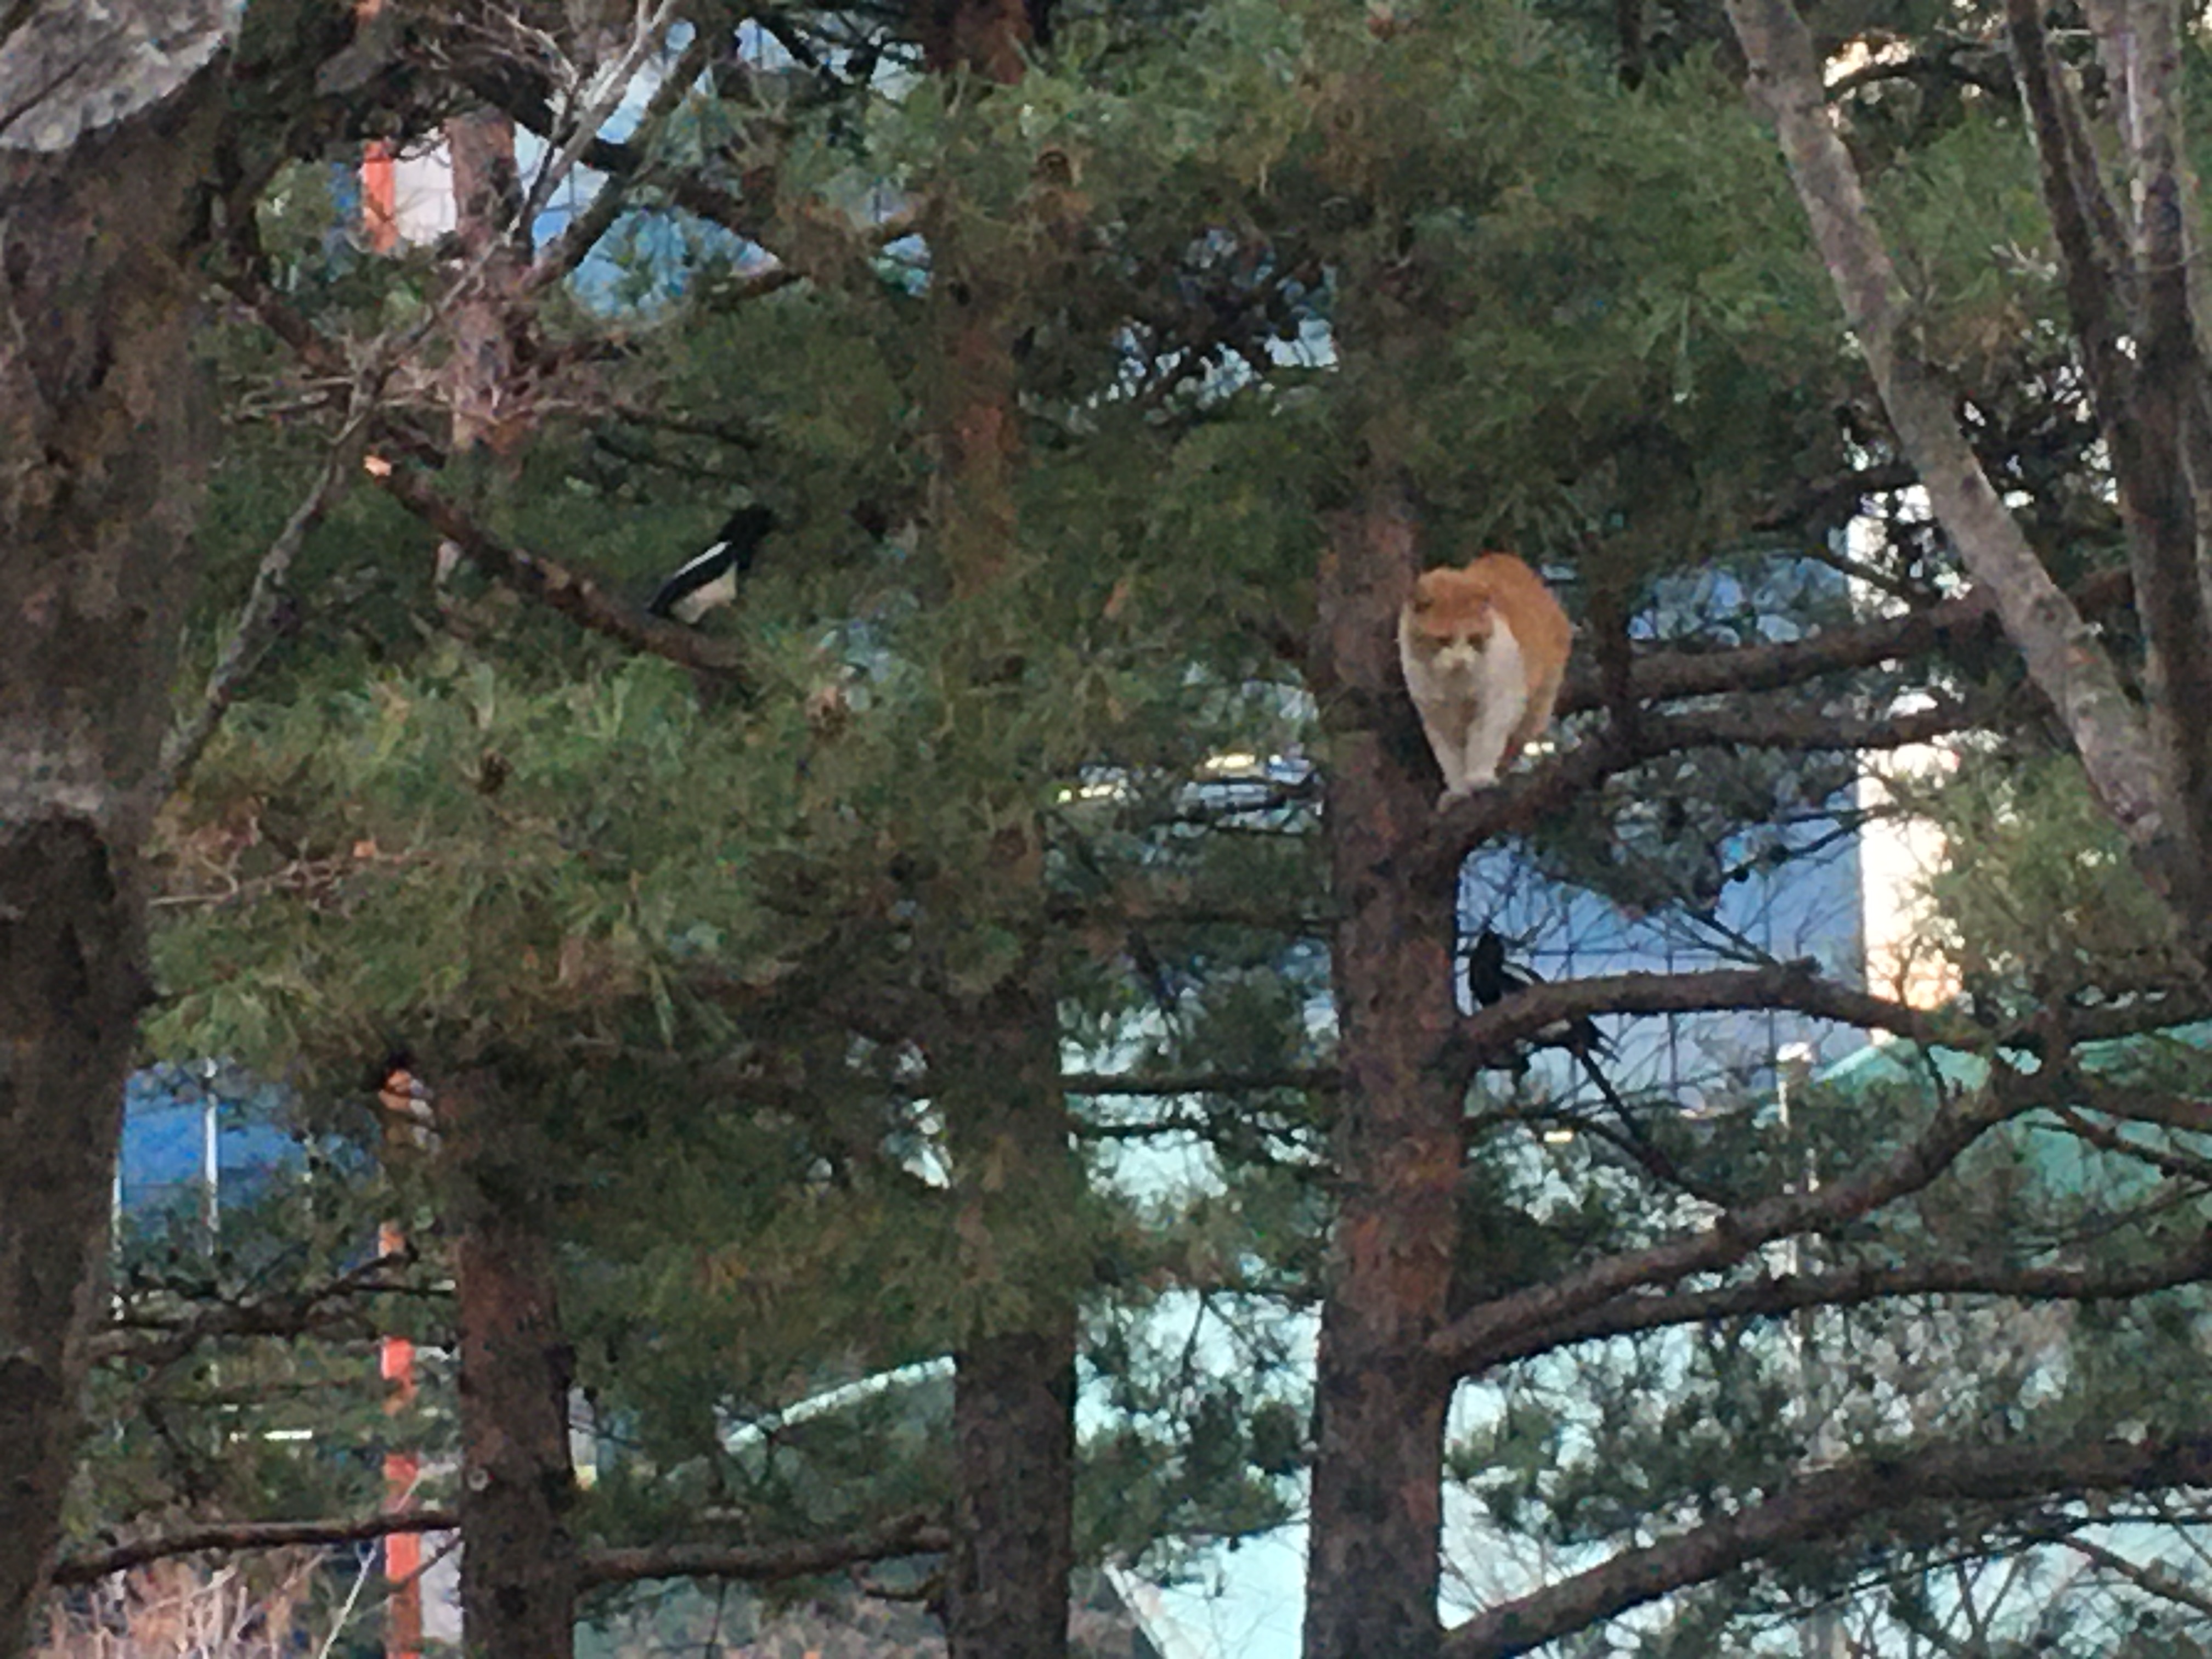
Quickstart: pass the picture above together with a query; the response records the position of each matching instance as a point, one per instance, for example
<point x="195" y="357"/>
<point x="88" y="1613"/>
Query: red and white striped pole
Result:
<point x="401" y="1097"/>
<point x="380" y="180"/>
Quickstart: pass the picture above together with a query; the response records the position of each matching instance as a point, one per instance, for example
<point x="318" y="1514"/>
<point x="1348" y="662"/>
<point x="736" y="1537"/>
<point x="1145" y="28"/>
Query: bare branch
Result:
<point x="259" y="623"/>
<point x="528" y="100"/>
<point x="918" y="1534"/>
<point x="1134" y="1085"/>
<point x="613" y="84"/>
<point x="326" y="358"/>
<point x="581" y="233"/>
<point x="1824" y="1504"/>
<point x="2148" y="1577"/>
<point x="91" y="1567"/>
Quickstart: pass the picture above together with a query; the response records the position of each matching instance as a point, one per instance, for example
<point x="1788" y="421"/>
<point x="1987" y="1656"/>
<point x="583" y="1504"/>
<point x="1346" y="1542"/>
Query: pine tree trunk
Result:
<point x="1018" y="1187"/>
<point x="1371" y="1572"/>
<point x="518" y="1483"/>
<point x="1016" y="1184"/>
<point x="71" y="968"/>
<point x="1013" y="1429"/>
<point x="103" y="444"/>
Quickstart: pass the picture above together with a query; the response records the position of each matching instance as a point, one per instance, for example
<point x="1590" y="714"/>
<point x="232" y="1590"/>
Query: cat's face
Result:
<point x="1452" y="615"/>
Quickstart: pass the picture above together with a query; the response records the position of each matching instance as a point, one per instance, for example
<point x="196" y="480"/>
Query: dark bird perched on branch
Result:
<point x="1489" y="979"/>
<point x="712" y="579"/>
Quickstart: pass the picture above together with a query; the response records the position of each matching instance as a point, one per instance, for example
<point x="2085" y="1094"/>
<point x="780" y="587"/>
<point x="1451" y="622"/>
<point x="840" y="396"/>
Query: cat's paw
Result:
<point x="1464" y="791"/>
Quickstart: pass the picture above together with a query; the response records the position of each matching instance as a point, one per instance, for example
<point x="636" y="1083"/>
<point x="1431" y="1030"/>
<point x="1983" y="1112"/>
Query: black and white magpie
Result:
<point x="1489" y="979"/>
<point x="712" y="579"/>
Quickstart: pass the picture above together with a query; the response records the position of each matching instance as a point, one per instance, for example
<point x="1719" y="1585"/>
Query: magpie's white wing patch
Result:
<point x="702" y="565"/>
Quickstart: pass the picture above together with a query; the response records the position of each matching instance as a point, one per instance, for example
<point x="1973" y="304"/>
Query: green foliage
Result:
<point x="2051" y="904"/>
<point x="447" y="855"/>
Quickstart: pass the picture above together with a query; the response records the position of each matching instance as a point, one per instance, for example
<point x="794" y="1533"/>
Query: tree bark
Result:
<point x="1381" y="1390"/>
<point x="1018" y="1187"/>
<point x="102" y="449"/>
<point x="983" y="37"/>
<point x="2063" y="654"/>
<point x="518" y="1565"/>
<point x="2131" y="303"/>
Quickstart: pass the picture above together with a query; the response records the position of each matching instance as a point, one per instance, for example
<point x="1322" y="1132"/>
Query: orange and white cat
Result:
<point x="1484" y="651"/>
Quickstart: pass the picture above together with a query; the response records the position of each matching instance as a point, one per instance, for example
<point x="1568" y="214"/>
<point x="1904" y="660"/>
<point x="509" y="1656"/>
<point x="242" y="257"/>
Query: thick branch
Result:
<point x="1520" y="803"/>
<point x="1793" y="984"/>
<point x="1947" y="63"/>
<point x="1472" y="1341"/>
<point x="94" y="1565"/>
<point x="1770" y="1298"/>
<point x="571" y="592"/>
<point x="2063" y="656"/>
<point x="918" y="1534"/>
<point x="1134" y="1083"/>
<point x="1811" y="730"/>
<point x="2094" y="259"/>
<point x="2168" y="1111"/>
<point x="2104" y="1021"/>
<point x="2161" y="503"/>
<point x="2145" y="372"/>
<point x="1665" y="675"/>
<point x="1823" y="1506"/>
<point x="1797" y="986"/>
<point x="2168" y="1161"/>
